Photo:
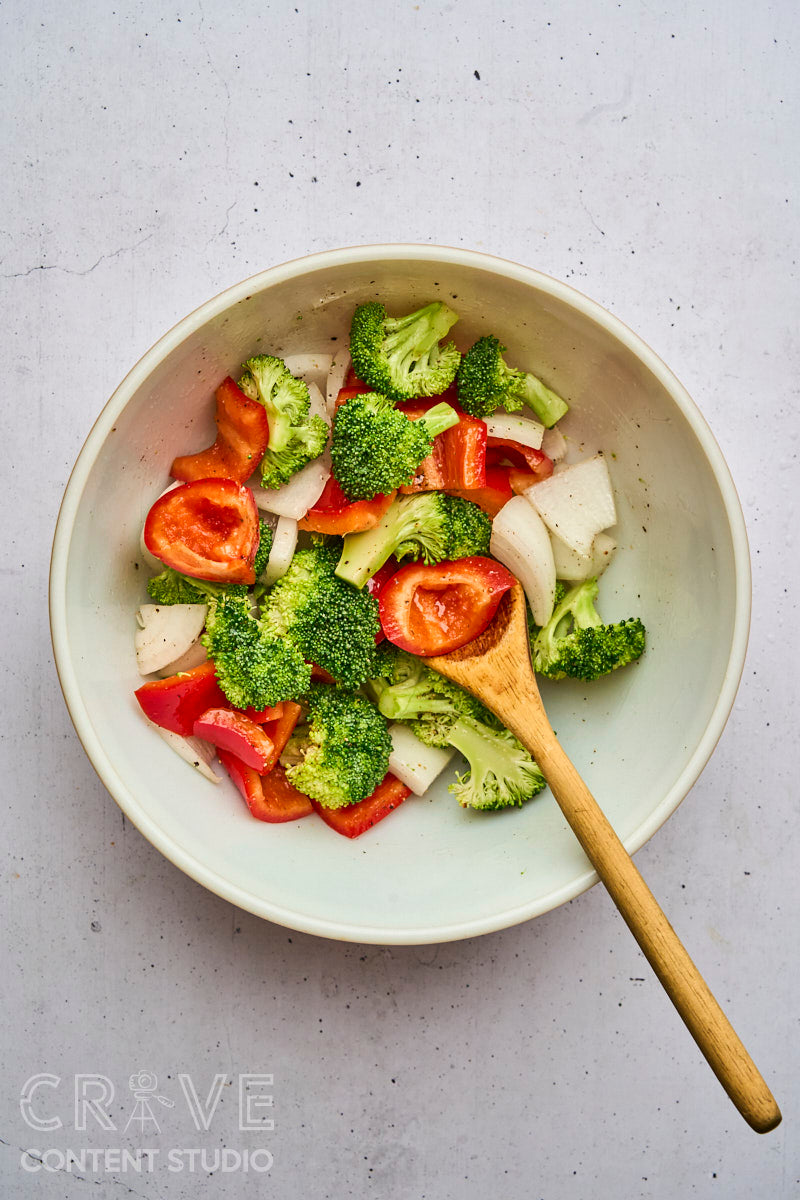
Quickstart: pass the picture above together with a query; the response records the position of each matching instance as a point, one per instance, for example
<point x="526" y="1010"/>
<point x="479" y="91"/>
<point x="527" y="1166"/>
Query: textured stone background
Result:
<point x="154" y="154"/>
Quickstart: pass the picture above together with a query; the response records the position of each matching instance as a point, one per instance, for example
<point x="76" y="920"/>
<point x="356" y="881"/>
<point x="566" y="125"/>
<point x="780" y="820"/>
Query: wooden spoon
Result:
<point x="496" y="667"/>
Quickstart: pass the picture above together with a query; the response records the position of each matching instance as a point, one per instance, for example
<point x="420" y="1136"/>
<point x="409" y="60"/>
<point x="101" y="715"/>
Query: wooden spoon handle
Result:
<point x="680" y="978"/>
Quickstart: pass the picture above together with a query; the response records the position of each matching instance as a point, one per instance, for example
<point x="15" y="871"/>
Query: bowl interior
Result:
<point x="432" y="872"/>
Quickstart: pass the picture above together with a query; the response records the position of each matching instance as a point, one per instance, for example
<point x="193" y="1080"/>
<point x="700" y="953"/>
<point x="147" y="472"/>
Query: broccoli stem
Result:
<point x="417" y="333"/>
<point x="548" y="407"/>
<point x="365" y="553"/>
<point x="439" y="418"/>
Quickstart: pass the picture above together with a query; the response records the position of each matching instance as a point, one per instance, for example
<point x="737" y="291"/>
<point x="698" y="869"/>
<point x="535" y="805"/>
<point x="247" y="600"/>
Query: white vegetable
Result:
<point x="554" y="444"/>
<point x="195" y="656"/>
<point x="523" y="545"/>
<point x="313" y="368"/>
<point x="284" y="541"/>
<point x="166" y="632"/>
<point x="415" y="764"/>
<point x="574" y="567"/>
<point x="518" y="429"/>
<point x="336" y="377"/>
<point x="199" y="753"/>
<point x="303" y="490"/>
<point x="576" y="503"/>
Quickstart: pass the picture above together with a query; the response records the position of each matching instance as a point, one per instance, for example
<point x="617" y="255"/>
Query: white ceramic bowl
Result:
<point x="432" y="872"/>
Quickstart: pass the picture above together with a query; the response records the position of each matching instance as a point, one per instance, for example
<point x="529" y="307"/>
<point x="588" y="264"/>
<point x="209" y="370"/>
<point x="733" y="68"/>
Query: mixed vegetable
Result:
<point x="323" y="548"/>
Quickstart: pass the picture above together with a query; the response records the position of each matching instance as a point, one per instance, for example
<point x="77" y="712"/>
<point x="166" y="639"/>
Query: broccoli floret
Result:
<point x="331" y="623"/>
<point x="295" y="437"/>
<point x="254" y="666"/>
<point x="576" y="643"/>
<point x="501" y="772"/>
<point x="171" y="587"/>
<point x="486" y="382"/>
<point x="401" y="356"/>
<point x="406" y="689"/>
<point x="442" y="714"/>
<point x="376" y="447"/>
<point x="264" y="547"/>
<point x="343" y="751"/>
<point x="428" y="525"/>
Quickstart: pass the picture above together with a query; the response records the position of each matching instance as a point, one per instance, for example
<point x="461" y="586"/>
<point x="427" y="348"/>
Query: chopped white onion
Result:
<point x="576" y="503"/>
<point x="554" y="444"/>
<point x="303" y="490"/>
<point x="336" y="377"/>
<point x="523" y="545"/>
<point x="281" y="553"/>
<point x="517" y="429"/>
<point x="573" y="567"/>
<point x="195" y="656"/>
<point x="199" y="753"/>
<point x="312" y="368"/>
<point x="415" y="764"/>
<point x="166" y="632"/>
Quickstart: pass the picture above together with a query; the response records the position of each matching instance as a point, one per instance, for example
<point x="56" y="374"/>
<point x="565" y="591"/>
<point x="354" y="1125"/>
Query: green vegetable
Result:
<point x="331" y="623"/>
<point x="428" y="525"/>
<point x="576" y="643"/>
<point x="400" y="357"/>
<point x="377" y="448"/>
<point x="343" y="751"/>
<point x="442" y="714"/>
<point x="501" y="772"/>
<point x="254" y="666"/>
<point x="486" y="382"/>
<point x="295" y="437"/>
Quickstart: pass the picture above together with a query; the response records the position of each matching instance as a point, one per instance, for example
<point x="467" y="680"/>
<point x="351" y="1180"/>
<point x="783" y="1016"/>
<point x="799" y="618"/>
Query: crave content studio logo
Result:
<point x="92" y="1105"/>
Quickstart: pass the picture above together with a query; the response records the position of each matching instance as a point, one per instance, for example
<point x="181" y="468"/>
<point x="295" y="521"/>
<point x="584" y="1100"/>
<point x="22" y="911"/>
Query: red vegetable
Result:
<point x="236" y="733"/>
<point x="207" y="529"/>
<point x="271" y="797"/>
<point x="524" y="458"/>
<point x="356" y="819"/>
<point x="496" y="493"/>
<point x="458" y="458"/>
<point x="433" y="609"/>
<point x="334" y="513"/>
<point x="242" y="436"/>
<point x="177" y="702"/>
<point x="262" y="715"/>
<point x="279" y="732"/>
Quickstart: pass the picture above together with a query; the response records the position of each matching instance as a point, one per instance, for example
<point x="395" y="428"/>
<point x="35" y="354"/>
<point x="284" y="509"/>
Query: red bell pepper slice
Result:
<point x="524" y="458"/>
<point x="458" y="458"/>
<point x="262" y="715"/>
<point x="497" y="492"/>
<point x="208" y="529"/>
<point x="334" y="513"/>
<point x="356" y="819"/>
<point x="433" y="609"/>
<point x="271" y="798"/>
<point x="279" y="732"/>
<point x="177" y="702"/>
<point x="351" y="380"/>
<point x="242" y="436"/>
<point x="236" y="733"/>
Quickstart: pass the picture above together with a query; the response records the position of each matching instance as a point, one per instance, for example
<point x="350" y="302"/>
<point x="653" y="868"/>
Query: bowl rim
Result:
<point x="125" y="798"/>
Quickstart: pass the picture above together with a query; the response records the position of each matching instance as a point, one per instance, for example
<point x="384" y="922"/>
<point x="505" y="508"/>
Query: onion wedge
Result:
<point x="166" y="632"/>
<point x="281" y="553"/>
<point x="516" y="429"/>
<point x="523" y="545"/>
<point x="193" y="750"/>
<point x="415" y="764"/>
<point x="576" y="502"/>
